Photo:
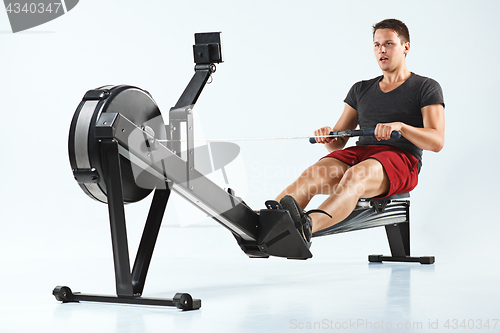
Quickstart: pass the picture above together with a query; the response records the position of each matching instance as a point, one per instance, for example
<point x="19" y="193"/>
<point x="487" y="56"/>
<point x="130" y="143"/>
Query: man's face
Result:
<point x="388" y="50"/>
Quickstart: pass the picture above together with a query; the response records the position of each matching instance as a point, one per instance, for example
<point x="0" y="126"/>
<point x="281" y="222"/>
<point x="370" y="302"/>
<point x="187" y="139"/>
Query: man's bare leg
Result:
<point x="320" y="178"/>
<point x="364" y="180"/>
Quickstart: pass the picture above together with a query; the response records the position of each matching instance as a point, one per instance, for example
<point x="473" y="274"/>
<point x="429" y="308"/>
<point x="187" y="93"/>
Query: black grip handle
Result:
<point x="365" y="132"/>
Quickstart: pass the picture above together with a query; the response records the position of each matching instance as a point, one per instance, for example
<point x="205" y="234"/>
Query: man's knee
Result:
<point x="359" y="179"/>
<point x="326" y="172"/>
<point x="355" y="178"/>
<point x="354" y="174"/>
<point x="365" y="171"/>
<point x="352" y="183"/>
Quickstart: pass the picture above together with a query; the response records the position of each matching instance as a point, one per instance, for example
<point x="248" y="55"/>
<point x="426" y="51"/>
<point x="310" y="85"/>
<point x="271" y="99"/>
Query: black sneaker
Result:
<point x="302" y="220"/>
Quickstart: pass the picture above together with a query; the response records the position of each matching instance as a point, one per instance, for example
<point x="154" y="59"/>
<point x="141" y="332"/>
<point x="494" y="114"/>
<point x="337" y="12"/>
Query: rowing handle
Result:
<point x="365" y="132"/>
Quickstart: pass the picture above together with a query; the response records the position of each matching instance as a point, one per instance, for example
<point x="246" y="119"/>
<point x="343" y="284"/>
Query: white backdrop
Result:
<point x="288" y="66"/>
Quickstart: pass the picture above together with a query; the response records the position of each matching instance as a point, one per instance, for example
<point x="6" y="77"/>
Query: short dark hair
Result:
<point x="399" y="27"/>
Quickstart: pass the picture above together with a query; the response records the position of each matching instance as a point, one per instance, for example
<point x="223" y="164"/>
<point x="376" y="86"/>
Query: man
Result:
<point x="379" y="166"/>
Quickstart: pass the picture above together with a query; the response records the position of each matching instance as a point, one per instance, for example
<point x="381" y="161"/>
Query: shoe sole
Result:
<point x="289" y="203"/>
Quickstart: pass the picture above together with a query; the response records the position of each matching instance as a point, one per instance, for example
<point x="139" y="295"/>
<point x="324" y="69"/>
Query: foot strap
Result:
<point x="317" y="211"/>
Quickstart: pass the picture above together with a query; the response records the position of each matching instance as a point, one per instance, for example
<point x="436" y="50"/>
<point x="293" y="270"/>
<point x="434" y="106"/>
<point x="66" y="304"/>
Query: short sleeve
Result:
<point x="431" y="93"/>
<point x="353" y="96"/>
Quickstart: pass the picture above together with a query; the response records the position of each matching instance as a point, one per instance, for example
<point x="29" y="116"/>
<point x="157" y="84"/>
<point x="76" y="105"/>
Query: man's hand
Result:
<point x="320" y="133"/>
<point x="430" y="137"/>
<point x="383" y="131"/>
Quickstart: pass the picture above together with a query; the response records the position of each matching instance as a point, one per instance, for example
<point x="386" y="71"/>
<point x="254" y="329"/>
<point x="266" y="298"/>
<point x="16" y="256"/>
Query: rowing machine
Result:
<point x="117" y="157"/>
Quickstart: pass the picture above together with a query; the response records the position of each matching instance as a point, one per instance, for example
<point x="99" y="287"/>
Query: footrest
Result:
<point x="425" y="260"/>
<point x="279" y="237"/>
<point x="181" y="301"/>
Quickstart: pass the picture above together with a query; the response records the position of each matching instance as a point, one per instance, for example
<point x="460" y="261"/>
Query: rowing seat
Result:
<point x="391" y="212"/>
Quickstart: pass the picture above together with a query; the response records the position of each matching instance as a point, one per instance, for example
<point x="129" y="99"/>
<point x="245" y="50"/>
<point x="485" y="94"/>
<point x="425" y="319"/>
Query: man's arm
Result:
<point x="347" y="121"/>
<point x="431" y="137"/>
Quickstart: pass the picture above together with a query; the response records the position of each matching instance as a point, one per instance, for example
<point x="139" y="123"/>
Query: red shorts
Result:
<point x="401" y="167"/>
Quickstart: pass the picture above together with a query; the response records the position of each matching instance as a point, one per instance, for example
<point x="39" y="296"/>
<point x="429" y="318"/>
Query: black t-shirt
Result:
<point x="402" y="104"/>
